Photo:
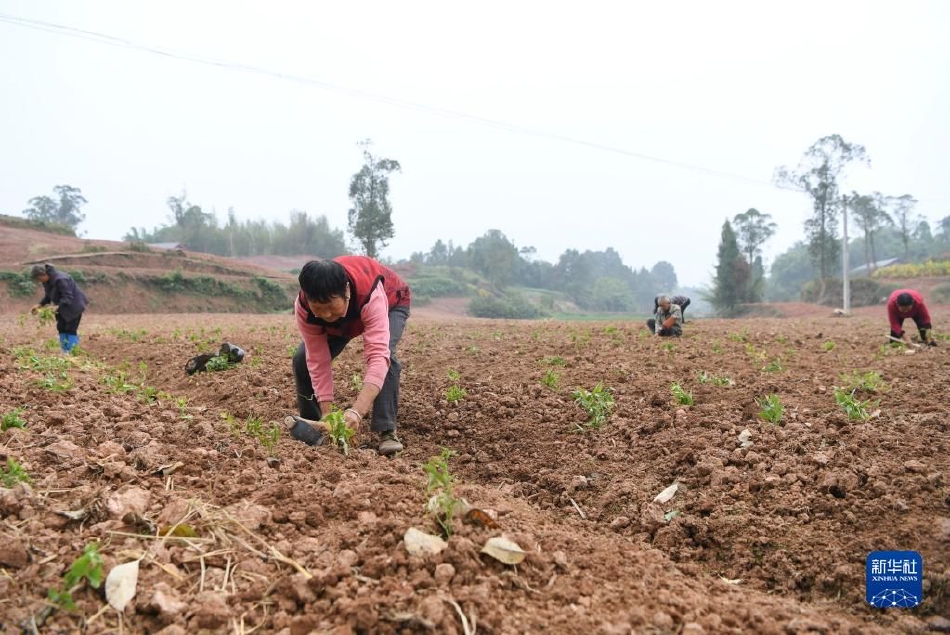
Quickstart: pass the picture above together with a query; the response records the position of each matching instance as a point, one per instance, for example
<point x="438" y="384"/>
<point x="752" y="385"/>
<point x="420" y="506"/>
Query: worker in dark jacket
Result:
<point x="67" y="299"/>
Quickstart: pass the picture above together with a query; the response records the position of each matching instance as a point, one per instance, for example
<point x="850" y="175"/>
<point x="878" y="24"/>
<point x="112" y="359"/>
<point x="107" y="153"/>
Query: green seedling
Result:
<point x="870" y="381"/>
<point x="706" y="378"/>
<point x="45" y="315"/>
<point x="553" y="360"/>
<point x="254" y="427"/>
<point x="340" y="433"/>
<point x="668" y="347"/>
<point x="453" y="375"/>
<point x="56" y="382"/>
<point x="683" y="397"/>
<point x="550" y="379"/>
<point x="455" y="394"/>
<point x="770" y="408"/>
<point x="828" y="346"/>
<point x="717" y="348"/>
<point x="87" y="567"/>
<point x="13" y="474"/>
<point x="439" y="485"/>
<point x="738" y="337"/>
<point x="182" y="403"/>
<point x="291" y="350"/>
<point x="856" y="409"/>
<point x="774" y="366"/>
<point x="219" y="363"/>
<point x="118" y="383"/>
<point x="474" y="350"/>
<point x="597" y="403"/>
<point x="12" y="419"/>
<point x="356" y="382"/>
<point x="149" y="394"/>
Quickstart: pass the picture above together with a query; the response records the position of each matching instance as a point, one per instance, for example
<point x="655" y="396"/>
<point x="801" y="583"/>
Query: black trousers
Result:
<point x="386" y="404"/>
<point x="674" y="331"/>
<point x="69" y="327"/>
<point x="921" y="326"/>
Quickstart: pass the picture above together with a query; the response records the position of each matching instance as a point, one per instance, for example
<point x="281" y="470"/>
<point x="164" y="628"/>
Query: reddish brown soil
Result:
<point x="792" y="517"/>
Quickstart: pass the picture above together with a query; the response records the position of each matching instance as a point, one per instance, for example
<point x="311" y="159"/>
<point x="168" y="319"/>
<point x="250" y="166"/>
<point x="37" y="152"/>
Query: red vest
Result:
<point x="364" y="274"/>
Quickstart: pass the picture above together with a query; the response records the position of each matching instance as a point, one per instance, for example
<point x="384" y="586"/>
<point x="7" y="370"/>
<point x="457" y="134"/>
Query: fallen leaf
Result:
<point x="168" y="470"/>
<point x="668" y="516"/>
<point x="667" y="494"/>
<point x="480" y="518"/>
<point x="419" y="543"/>
<point x="79" y="514"/>
<point x="120" y="584"/>
<point x="730" y="581"/>
<point x="875" y="414"/>
<point x="179" y="531"/>
<point x="504" y="550"/>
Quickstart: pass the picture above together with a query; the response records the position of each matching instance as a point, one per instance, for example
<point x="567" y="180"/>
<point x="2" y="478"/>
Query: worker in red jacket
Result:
<point x="907" y="303"/>
<point x="339" y="300"/>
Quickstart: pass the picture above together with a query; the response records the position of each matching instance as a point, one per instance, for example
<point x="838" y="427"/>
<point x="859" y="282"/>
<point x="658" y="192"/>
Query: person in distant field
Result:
<point x="666" y="322"/>
<point x="339" y="300"/>
<point x="680" y="300"/>
<point x="67" y="299"/>
<point x="907" y="303"/>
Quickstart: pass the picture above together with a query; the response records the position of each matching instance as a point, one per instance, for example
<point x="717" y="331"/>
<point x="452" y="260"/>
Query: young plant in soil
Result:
<point x="340" y="433"/>
<point x="774" y="366"/>
<point x="356" y="382"/>
<point x="828" y="346"/>
<point x="668" y="347"/>
<point x="870" y="381"/>
<point x="770" y="408"/>
<point x="45" y="315"/>
<point x="267" y="437"/>
<point x="553" y="360"/>
<point x="12" y="419"/>
<point x="550" y="379"/>
<point x="439" y="485"/>
<point x="13" y="474"/>
<point x="88" y="567"/>
<point x="597" y="403"/>
<point x="683" y="397"/>
<point x="706" y="378"/>
<point x="453" y="375"/>
<point x="219" y="363"/>
<point x="455" y="394"/>
<point x="856" y="409"/>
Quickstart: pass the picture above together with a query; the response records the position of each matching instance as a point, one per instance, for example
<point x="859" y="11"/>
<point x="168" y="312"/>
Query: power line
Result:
<point x="110" y="40"/>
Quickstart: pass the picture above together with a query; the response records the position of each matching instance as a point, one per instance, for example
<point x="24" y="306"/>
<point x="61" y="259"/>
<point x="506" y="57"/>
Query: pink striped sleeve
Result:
<point x="318" y="355"/>
<point x="375" y="317"/>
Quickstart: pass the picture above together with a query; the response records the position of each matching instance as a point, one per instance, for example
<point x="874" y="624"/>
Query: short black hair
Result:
<point x="905" y="299"/>
<point x="322" y="280"/>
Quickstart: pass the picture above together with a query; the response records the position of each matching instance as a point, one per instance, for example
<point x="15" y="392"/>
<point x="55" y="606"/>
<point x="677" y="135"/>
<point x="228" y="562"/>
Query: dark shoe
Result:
<point x="932" y="343"/>
<point x="388" y="443"/>
<point x="303" y="430"/>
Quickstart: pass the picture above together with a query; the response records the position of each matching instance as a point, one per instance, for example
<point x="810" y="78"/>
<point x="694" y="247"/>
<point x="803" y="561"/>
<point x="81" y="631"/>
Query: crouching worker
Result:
<point x="907" y="303"/>
<point x="67" y="299"/>
<point x="680" y="300"/>
<point x="339" y="300"/>
<point x="667" y="320"/>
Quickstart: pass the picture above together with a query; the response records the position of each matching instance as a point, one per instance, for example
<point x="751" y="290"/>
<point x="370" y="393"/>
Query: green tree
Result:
<point x="789" y="272"/>
<point x="370" y="217"/>
<point x="611" y="294"/>
<point x="664" y="276"/>
<point x="871" y="218"/>
<point x="64" y="209"/>
<point x="902" y="209"/>
<point x="818" y="174"/>
<point x="494" y="256"/>
<point x="753" y="229"/>
<point x="732" y="273"/>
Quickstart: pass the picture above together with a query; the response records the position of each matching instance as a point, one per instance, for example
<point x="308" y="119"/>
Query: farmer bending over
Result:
<point x="339" y="300"/>
<point x="67" y="299"/>
<point x="667" y="319"/>
<point x="680" y="300"/>
<point x="907" y="303"/>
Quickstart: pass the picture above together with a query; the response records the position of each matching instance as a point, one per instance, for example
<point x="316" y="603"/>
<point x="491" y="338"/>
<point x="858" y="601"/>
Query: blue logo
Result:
<point x="894" y="579"/>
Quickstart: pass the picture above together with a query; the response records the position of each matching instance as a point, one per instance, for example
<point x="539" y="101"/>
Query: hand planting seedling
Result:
<point x="88" y="567"/>
<point x="683" y="397"/>
<point x="45" y="315"/>
<point x="339" y="432"/>
<point x="597" y="403"/>
<point x="439" y="485"/>
<point x="550" y="379"/>
<point x="13" y="474"/>
<point x="856" y="409"/>
<point x="12" y="420"/>
<point x="771" y="408"/>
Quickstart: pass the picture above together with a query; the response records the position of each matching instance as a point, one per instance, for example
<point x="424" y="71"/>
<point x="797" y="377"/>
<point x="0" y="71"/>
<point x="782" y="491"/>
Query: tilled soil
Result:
<point x="769" y="536"/>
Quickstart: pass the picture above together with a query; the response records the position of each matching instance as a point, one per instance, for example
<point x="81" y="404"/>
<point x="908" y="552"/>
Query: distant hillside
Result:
<point x="130" y="278"/>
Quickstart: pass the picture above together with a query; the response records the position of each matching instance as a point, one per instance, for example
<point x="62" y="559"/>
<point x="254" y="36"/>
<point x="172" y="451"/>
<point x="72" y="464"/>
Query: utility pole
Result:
<point x="845" y="259"/>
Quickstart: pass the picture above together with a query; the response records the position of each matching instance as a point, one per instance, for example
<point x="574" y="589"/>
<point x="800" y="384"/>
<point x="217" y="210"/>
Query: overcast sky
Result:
<point x="734" y="87"/>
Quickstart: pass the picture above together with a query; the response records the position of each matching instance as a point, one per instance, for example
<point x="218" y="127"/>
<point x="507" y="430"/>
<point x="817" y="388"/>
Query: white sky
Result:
<point x="737" y="87"/>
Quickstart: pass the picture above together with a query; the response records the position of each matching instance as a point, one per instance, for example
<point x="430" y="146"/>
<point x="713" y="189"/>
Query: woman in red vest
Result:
<point x="908" y="303"/>
<point x="339" y="300"/>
